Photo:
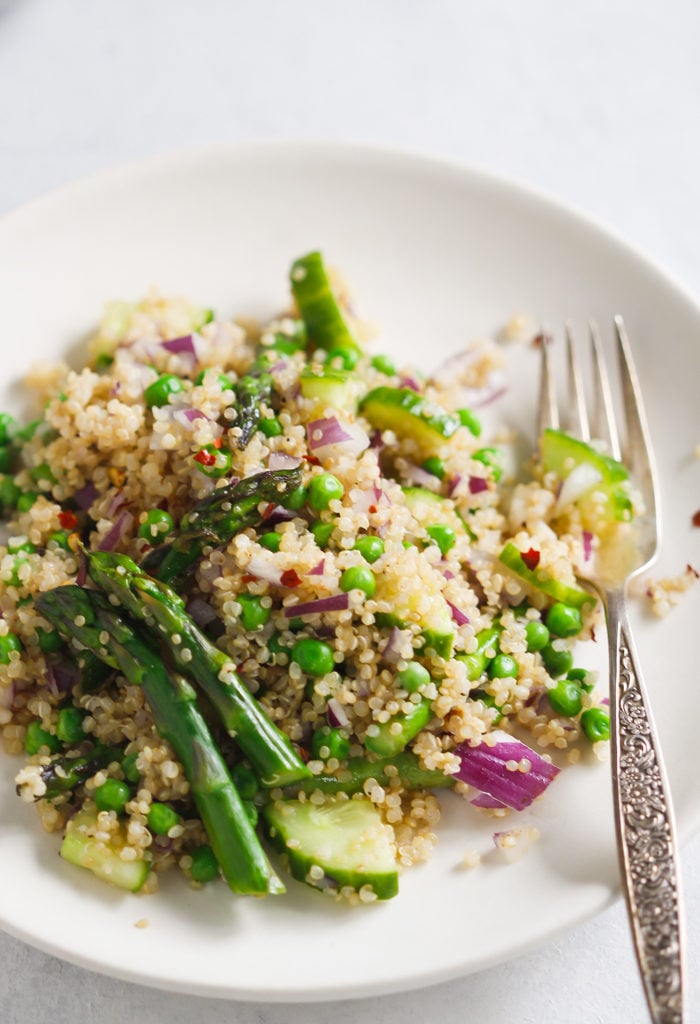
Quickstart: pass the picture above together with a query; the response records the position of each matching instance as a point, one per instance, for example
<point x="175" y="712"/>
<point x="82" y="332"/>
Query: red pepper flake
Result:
<point x="68" y="520"/>
<point x="303" y="754"/>
<point x="217" y="442"/>
<point x="268" y="510"/>
<point x="531" y="558"/>
<point x="247" y="578"/>
<point x="696" y="518"/>
<point x="372" y="509"/>
<point x="290" y="578"/>
<point x="205" y="458"/>
<point x="313" y="460"/>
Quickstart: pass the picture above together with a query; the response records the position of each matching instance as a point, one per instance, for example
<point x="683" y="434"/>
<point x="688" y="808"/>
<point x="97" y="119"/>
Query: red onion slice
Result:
<point x="484" y="800"/>
<point x="477" y="484"/>
<point x="484" y="767"/>
<point x="112" y="539"/>
<point x="280" y="460"/>
<point x="86" y="495"/>
<point x="328" y="435"/>
<point x="390" y="650"/>
<point x="458" y="615"/>
<point x="337" y="716"/>
<point x="181" y="346"/>
<point x="318" y="570"/>
<point x="337" y="603"/>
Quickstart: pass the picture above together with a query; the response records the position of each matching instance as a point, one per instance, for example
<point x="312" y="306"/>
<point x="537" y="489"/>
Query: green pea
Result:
<point x="205" y="866"/>
<point x="9" y="643"/>
<point x="103" y="362"/>
<point x="581" y="676"/>
<point x="595" y="723"/>
<point x="322" y="532"/>
<point x="331" y="741"/>
<point x="347" y="355"/>
<point x="503" y="666"/>
<point x="26" y="500"/>
<point x="15" y="580"/>
<point x="536" y="635"/>
<point x="324" y="489"/>
<point x="9" y="493"/>
<point x="36" y="738"/>
<point x="59" y="539"/>
<point x="130" y="769"/>
<point x="371" y="548"/>
<point x="17" y="544"/>
<point x="253" y="614"/>
<point x="296" y="498"/>
<point x="271" y="540"/>
<point x="490" y="457"/>
<point x="224" y="382"/>
<point x="313" y="657"/>
<point x="275" y="645"/>
<point x="271" y="426"/>
<point x="413" y="677"/>
<point x="221" y="464"/>
<point x="49" y="640"/>
<point x="69" y="725"/>
<point x="563" y="620"/>
<point x="287" y="346"/>
<point x="8" y="428"/>
<point x="435" y="466"/>
<point x="565" y="698"/>
<point x="26" y="433"/>
<point x="557" y="663"/>
<point x="358" y="578"/>
<point x="244" y="780"/>
<point x="7" y="458"/>
<point x="43" y="476"/>
<point x="161" y="818"/>
<point x="444" y="537"/>
<point x="112" y="795"/>
<point x="158" y="393"/>
<point x="470" y="420"/>
<point x="157" y="525"/>
<point x="384" y="365"/>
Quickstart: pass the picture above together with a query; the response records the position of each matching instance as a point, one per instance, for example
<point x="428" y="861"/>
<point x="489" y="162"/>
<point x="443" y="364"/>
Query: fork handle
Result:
<point x="645" y="828"/>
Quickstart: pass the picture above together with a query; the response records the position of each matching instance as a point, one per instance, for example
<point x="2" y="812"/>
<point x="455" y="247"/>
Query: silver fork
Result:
<point x="644" y="822"/>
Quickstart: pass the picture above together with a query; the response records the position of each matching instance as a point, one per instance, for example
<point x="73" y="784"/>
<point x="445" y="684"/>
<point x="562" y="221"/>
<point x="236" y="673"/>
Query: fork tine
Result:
<point x="604" y="426"/>
<point x="639" y="457"/>
<point x="577" y="398"/>
<point x="547" y="414"/>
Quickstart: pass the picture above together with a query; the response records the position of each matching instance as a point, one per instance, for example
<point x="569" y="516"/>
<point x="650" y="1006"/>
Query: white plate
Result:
<point x="436" y="254"/>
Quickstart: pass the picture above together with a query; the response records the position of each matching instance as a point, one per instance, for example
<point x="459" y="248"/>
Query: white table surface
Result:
<point x="595" y="102"/>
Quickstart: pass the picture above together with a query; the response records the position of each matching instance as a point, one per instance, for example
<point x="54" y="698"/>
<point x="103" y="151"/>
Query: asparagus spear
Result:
<point x="272" y="756"/>
<point x="250" y="390"/>
<point x="217" y="518"/>
<point x="356" y="770"/>
<point x="63" y="774"/>
<point x="88" y="617"/>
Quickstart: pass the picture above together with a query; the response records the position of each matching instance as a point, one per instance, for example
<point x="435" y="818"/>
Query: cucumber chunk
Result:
<point x="335" y="388"/>
<point x="325" y="323"/>
<point x="607" y="499"/>
<point x="346" y="839"/>
<point x="80" y="847"/>
<point x="512" y="558"/>
<point x="410" y="415"/>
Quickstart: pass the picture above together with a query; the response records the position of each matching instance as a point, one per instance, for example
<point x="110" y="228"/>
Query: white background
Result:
<point x="595" y="102"/>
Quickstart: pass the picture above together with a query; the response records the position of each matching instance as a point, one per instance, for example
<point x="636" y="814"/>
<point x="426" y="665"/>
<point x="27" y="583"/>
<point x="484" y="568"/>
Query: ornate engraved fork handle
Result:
<point x="644" y="821"/>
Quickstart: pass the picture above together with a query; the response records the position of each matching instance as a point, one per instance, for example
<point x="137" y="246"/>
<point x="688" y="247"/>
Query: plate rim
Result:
<point x="479" y="177"/>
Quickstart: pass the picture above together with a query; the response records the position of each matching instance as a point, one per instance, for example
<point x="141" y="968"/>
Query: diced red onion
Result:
<point x="581" y="479"/>
<point x="329" y="434"/>
<point x="484" y="767"/>
<point x="374" y="495"/>
<point x="587" y="545"/>
<point x="337" y="715"/>
<point x="458" y="366"/>
<point x="201" y="611"/>
<point x="278" y="514"/>
<point x="458" y="615"/>
<point x="447" y="573"/>
<point x="112" y="539"/>
<point x="86" y="495"/>
<point x="420" y="477"/>
<point x="186" y="417"/>
<point x="264" y="569"/>
<point x="454" y="484"/>
<point x="181" y="346"/>
<point x="485" y="800"/>
<point x="336" y="603"/>
<point x="277" y="368"/>
<point x="280" y="460"/>
<point x="477" y="484"/>
<point x="61" y="677"/>
<point x="318" y="570"/>
<point x="409" y="382"/>
<point x="390" y="651"/>
<point x="115" y="504"/>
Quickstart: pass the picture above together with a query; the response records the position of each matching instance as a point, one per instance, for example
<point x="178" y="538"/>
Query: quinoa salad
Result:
<point x="265" y="593"/>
